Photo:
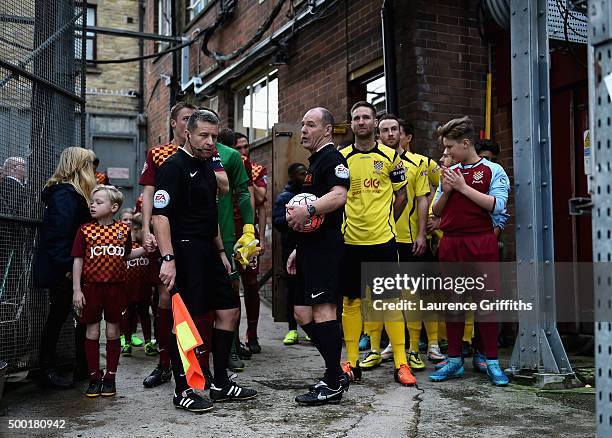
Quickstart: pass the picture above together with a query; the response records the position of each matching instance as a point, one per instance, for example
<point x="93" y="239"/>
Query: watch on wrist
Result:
<point x="311" y="210"/>
<point x="167" y="258"/>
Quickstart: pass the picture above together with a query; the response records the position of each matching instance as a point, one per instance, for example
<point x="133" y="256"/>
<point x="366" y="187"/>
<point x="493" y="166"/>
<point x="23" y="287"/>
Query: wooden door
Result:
<point x="286" y="150"/>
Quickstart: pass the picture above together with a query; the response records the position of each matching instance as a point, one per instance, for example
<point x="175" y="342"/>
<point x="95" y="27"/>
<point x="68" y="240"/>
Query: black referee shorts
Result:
<point x="201" y="278"/>
<point x="354" y="256"/>
<point x="318" y="272"/>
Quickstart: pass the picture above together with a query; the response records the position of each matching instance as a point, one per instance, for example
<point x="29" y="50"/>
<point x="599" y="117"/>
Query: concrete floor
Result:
<point x="378" y="407"/>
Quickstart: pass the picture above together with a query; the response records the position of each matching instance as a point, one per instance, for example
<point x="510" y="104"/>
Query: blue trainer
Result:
<point x="479" y="361"/>
<point x="364" y="342"/>
<point x="496" y="375"/>
<point x="452" y="370"/>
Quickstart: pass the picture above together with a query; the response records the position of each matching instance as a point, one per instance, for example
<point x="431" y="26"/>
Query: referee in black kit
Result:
<point x="318" y="255"/>
<point x="185" y="221"/>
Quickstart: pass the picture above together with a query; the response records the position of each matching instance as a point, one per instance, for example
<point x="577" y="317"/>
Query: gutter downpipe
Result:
<point x="141" y="17"/>
<point x="388" y="28"/>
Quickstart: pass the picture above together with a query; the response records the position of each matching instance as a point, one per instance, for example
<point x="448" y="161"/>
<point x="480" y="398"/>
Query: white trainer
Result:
<point x="434" y="353"/>
<point x="387" y="353"/>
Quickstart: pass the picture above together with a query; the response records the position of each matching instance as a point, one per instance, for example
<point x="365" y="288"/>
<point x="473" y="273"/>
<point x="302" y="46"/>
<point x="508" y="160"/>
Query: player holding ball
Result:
<point x="316" y="260"/>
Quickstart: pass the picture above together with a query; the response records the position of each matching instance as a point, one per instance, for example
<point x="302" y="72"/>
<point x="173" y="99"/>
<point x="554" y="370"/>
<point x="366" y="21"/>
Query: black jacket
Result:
<point x="12" y="197"/>
<point x="65" y="211"/>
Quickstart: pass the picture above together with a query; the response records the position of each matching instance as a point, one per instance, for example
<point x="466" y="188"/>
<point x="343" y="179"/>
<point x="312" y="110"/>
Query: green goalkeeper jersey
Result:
<point x="238" y="183"/>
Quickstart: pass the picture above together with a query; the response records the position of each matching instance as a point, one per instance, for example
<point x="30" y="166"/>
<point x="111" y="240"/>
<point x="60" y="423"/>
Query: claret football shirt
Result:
<point x="102" y="248"/>
<point x="462" y="216"/>
<point x="139" y="269"/>
<point x="159" y="154"/>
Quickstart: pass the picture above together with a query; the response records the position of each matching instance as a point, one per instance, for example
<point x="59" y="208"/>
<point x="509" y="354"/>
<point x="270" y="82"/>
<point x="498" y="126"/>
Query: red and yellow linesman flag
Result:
<point x="188" y="339"/>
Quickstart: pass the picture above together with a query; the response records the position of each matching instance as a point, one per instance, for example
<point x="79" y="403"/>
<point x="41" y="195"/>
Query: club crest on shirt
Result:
<point x="477" y="178"/>
<point x="308" y="179"/>
<point x="120" y="235"/>
<point x="378" y="166"/>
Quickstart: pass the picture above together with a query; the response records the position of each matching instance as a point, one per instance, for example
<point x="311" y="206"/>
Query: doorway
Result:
<point x="118" y="159"/>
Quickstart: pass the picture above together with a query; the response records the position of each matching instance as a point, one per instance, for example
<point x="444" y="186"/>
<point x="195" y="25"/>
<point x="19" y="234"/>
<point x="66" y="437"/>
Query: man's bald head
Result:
<point x="326" y="116"/>
<point x="15" y="167"/>
<point x="317" y="128"/>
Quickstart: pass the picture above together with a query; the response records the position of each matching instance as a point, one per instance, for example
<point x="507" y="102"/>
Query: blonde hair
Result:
<point x="75" y="167"/>
<point x="113" y="193"/>
<point x="127" y="210"/>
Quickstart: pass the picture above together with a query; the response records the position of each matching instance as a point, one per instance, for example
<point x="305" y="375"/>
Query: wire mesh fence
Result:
<point x="42" y="84"/>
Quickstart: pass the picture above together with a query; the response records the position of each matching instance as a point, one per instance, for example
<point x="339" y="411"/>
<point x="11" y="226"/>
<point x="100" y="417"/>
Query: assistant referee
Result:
<point x="185" y="221"/>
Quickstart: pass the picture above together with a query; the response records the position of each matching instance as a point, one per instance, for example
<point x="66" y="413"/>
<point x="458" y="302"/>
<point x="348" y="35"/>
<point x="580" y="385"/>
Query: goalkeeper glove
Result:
<point x="245" y="254"/>
<point x="246" y="246"/>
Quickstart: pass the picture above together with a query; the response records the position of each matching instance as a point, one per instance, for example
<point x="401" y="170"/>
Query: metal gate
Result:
<point x="42" y="107"/>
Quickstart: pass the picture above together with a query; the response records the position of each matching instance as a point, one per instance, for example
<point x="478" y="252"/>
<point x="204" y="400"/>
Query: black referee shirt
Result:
<point x="186" y="193"/>
<point x="328" y="168"/>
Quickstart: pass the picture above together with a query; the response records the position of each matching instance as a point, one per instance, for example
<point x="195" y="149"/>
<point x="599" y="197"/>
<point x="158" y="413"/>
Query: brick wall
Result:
<point x="114" y="77"/>
<point x="320" y="60"/>
<point x="502" y="123"/>
<point x="248" y="16"/>
<point x="441" y="62"/>
<point x="441" y="66"/>
<point x="157" y="93"/>
<point x="322" y="57"/>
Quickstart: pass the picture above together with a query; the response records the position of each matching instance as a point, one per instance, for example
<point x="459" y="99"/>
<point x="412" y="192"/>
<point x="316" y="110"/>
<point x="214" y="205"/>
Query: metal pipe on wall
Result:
<point x="174" y="84"/>
<point x="388" y="40"/>
<point x="141" y="18"/>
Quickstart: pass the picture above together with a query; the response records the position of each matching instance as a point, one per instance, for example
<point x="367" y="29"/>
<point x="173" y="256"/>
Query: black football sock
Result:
<point x="330" y="346"/>
<point x="312" y="333"/>
<point x="221" y="348"/>
<point x="177" y="366"/>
